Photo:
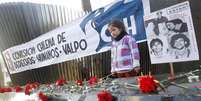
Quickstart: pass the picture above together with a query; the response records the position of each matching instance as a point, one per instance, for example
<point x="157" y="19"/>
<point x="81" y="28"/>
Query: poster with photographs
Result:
<point x="170" y="35"/>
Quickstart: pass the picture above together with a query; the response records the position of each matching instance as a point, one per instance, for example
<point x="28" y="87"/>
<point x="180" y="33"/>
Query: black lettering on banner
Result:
<point x="76" y="45"/>
<point x="47" y="55"/>
<point x="73" y="47"/>
<point x="83" y="44"/>
<point x="24" y="62"/>
<point x="43" y="45"/>
<point x="23" y="53"/>
<point x="61" y="38"/>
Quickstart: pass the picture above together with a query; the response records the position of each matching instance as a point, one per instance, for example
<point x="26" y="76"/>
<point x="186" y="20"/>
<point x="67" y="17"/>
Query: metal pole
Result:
<point x="6" y="67"/>
<point x="172" y="75"/>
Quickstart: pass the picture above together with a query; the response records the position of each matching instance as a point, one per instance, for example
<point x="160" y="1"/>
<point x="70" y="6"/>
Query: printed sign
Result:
<point x="170" y="35"/>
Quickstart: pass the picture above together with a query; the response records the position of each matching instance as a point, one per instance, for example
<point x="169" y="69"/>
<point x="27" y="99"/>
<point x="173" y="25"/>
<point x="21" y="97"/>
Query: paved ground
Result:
<point x="181" y="91"/>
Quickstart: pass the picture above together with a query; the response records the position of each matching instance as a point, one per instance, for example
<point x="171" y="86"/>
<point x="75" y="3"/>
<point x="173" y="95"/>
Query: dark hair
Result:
<point x="119" y="24"/>
<point x="177" y="36"/>
<point x="154" y="41"/>
<point x="175" y="21"/>
<point x="159" y="12"/>
<point x="156" y="30"/>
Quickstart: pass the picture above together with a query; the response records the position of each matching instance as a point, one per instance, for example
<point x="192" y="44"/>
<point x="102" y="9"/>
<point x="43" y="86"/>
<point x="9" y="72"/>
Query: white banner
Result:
<point x="170" y="35"/>
<point x="83" y="37"/>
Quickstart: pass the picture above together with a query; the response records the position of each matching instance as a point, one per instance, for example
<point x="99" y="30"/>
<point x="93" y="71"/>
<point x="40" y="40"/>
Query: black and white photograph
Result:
<point x="158" y="47"/>
<point x="157" y="25"/>
<point x="180" y="44"/>
<point x="170" y="31"/>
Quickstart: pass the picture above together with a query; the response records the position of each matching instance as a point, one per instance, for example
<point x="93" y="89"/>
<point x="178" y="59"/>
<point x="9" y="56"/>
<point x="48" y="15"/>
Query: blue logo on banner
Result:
<point x="123" y="10"/>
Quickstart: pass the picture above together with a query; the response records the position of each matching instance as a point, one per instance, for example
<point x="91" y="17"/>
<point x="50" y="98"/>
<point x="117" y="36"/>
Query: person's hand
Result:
<point x="137" y="69"/>
<point x="113" y="75"/>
